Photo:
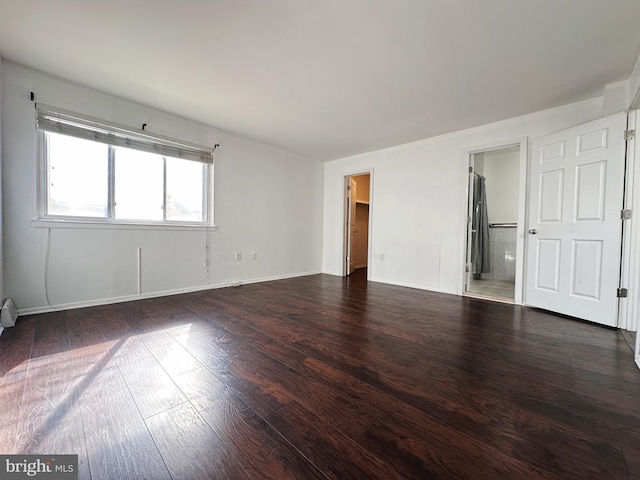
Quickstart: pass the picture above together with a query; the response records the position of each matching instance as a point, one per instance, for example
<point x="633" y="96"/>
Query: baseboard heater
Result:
<point x="8" y="313"/>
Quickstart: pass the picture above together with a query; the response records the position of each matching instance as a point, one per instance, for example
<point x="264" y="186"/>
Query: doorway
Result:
<point x="357" y="216"/>
<point x="493" y="263"/>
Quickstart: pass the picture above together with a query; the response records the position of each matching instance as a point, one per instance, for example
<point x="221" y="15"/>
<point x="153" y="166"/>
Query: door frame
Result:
<point x="345" y="231"/>
<point x="629" y="308"/>
<point x="468" y="152"/>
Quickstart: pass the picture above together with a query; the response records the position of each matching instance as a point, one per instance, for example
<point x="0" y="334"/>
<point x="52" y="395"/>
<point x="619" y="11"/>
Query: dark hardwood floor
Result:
<point x="321" y="377"/>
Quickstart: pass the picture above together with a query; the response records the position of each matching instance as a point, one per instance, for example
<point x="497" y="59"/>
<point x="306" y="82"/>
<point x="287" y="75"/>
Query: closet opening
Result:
<point x="357" y="222"/>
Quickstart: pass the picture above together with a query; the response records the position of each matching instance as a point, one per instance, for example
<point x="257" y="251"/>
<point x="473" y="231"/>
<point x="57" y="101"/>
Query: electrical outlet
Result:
<point x="238" y="256"/>
<point x="253" y="255"/>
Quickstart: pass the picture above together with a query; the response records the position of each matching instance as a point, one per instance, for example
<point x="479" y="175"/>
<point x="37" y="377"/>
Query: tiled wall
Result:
<point x="502" y="244"/>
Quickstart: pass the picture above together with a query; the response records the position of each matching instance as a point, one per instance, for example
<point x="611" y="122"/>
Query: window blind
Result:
<point x="55" y="120"/>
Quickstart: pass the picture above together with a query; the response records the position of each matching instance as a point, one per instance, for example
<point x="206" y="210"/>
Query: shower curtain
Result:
<point x="479" y="229"/>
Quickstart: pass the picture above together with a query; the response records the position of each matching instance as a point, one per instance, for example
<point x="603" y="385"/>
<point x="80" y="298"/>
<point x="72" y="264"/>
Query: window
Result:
<point x="97" y="172"/>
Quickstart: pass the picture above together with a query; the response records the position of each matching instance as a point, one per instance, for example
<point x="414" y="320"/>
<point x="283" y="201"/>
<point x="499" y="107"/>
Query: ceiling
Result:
<point x="331" y="78"/>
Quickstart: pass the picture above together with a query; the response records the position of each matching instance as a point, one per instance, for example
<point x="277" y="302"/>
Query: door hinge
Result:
<point x="629" y="135"/>
<point x="625" y="214"/>
<point x="470" y="169"/>
<point x="621" y="293"/>
<point x="468" y="219"/>
<point x="348" y="187"/>
<point x="466" y="269"/>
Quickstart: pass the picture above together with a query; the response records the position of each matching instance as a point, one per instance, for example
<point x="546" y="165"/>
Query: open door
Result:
<point x="574" y="240"/>
<point x="351" y="223"/>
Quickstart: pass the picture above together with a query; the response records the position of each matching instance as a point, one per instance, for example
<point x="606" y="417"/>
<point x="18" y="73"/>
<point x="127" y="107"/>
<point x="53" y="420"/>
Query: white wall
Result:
<point x="418" y="199"/>
<point x="266" y="201"/>
<point x="501" y="172"/>
<point x="634" y="86"/>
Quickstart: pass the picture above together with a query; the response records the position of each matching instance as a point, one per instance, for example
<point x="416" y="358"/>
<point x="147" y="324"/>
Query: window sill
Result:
<point x="88" y="224"/>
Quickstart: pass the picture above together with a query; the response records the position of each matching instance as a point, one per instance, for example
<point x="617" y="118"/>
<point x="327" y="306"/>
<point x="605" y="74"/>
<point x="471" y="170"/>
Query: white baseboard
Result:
<point x="276" y="277"/>
<point x="163" y="293"/>
<point x="401" y="284"/>
<point x="418" y="287"/>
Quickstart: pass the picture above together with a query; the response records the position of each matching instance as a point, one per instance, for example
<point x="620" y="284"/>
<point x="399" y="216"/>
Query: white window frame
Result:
<point x="109" y="219"/>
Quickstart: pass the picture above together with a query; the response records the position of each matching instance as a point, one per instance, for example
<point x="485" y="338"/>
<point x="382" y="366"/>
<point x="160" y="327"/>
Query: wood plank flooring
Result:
<point x="321" y="377"/>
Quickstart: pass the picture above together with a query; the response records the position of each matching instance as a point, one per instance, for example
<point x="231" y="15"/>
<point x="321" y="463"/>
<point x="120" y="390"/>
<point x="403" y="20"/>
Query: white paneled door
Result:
<point x="576" y="195"/>
<point x="350" y="232"/>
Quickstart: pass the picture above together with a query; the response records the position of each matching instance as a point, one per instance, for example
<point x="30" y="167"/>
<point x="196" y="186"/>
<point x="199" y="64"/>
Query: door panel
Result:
<point x="551" y="196"/>
<point x="573" y="251"/>
<point x="586" y="268"/>
<point x="590" y="192"/>
<point x="552" y="151"/>
<point x="548" y="265"/>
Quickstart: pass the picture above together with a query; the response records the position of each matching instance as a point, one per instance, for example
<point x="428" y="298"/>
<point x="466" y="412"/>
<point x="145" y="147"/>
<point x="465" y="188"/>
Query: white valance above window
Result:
<point x="55" y="120"/>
